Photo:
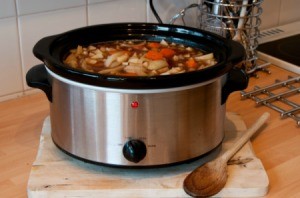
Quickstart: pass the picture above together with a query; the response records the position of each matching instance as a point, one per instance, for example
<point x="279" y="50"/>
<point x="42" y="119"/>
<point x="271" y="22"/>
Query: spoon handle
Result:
<point x="246" y="136"/>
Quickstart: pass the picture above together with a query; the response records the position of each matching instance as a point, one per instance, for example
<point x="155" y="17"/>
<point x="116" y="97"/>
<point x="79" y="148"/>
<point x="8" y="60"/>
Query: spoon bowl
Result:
<point x="210" y="178"/>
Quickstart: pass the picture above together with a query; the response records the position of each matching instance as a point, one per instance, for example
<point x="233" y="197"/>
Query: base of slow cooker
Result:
<point x="208" y="156"/>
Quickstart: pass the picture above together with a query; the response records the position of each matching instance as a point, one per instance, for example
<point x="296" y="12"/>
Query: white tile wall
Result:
<point x="10" y="65"/>
<point x="117" y="11"/>
<point x="97" y="1"/>
<point x="7" y="8"/>
<point x="24" y="22"/>
<point x="167" y="9"/>
<point x="279" y="12"/>
<point x="36" y="26"/>
<point x="289" y="11"/>
<point x="34" y="6"/>
<point x="270" y="15"/>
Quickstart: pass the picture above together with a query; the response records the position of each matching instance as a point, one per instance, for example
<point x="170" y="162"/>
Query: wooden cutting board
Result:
<point x="55" y="174"/>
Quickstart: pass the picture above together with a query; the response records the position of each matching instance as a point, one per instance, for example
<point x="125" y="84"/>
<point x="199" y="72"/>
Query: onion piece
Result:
<point x="133" y="44"/>
<point x="111" y="70"/>
<point x="164" y="43"/>
<point x="79" y="50"/>
<point x="138" y="69"/>
<point x="133" y="60"/>
<point x="113" y="58"/>
<point x="189" y="49"/>
<point x="174" y="70"/>
<point x="114" y="64"/>
<point x="204" y="57"/>
<point x="157" y="64"/>
<point x="97" y="54"/>
<point x="71" y="60"/>
<point x="123" y="58"/>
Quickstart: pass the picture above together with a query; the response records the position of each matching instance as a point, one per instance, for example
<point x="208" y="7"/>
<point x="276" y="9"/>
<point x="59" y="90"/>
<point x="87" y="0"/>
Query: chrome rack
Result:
<point x="278" y="97"/>
<point x="238" y="20"/>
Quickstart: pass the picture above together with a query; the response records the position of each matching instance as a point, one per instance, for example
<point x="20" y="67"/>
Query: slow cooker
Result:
<point x="137" y="121"/>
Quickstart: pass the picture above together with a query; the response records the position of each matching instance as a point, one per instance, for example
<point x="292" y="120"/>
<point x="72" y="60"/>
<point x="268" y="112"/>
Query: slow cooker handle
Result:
<point x="37" y="77"/>
<point x="237" y="79"/>
<point x="41" y="49"/>
<point x="237" y="53"/>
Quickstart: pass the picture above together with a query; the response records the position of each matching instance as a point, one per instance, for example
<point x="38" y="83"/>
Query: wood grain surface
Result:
<point x="55" y="174"/>
<point x="20" y="127"/>
<point x="278" y="145"/>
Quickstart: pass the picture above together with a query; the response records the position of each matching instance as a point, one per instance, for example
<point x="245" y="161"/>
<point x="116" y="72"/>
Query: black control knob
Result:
<point x="134" y="150"/>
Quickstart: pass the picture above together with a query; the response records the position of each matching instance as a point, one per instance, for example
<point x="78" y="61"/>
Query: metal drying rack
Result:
<point x="279" y="101"/>
<point x="238" y="20"/>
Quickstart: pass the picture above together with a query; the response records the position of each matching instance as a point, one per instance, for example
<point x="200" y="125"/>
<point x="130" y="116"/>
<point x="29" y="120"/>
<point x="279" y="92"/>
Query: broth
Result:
<point x="138" y="58"/>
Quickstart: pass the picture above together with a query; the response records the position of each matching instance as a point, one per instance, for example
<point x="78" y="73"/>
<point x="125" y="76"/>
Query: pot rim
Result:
<point x="126" y="91"/>
<point x="51" y="50"/>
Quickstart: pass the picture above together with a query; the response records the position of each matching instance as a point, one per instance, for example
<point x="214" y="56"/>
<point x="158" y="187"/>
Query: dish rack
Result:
<point x="238" y="20"/>
<point x="279" y="97"/>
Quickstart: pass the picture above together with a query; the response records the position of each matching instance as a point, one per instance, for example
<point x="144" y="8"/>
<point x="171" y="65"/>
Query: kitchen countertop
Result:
<point x="277" y="145"/>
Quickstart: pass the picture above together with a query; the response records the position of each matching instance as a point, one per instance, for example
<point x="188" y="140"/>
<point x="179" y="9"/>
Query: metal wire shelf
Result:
<point x="238" y="20"/>
<point x="233" y="19"/>
<point x="279" y="97"/>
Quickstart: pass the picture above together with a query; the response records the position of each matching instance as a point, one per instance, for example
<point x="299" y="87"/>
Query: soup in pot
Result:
<point x="138" y="58"/>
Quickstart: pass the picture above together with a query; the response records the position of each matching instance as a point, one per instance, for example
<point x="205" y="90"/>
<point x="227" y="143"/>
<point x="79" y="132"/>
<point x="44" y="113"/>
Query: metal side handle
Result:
<point x="37" y="77"/>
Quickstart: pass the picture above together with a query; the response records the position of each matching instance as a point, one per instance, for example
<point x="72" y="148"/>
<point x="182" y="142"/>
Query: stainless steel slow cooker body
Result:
<point x="169" y="125"/>
<point x="137" y="121"/>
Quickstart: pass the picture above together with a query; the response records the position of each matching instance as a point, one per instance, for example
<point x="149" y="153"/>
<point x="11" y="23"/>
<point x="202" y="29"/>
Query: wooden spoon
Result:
<point x="210" y="178"/>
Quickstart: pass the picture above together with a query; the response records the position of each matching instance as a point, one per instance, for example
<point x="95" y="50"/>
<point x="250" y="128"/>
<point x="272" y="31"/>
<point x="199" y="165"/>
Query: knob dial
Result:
<point x="134" y="150"/>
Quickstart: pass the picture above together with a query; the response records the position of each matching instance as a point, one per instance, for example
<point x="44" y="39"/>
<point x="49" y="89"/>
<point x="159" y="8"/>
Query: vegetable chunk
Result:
<point x="138" y="58"/>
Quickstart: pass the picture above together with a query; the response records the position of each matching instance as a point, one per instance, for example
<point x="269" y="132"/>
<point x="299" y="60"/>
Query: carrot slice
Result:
<point x="154" y="55"/>
<point x="167" y="52"/>
<point x="191" y="63"/>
